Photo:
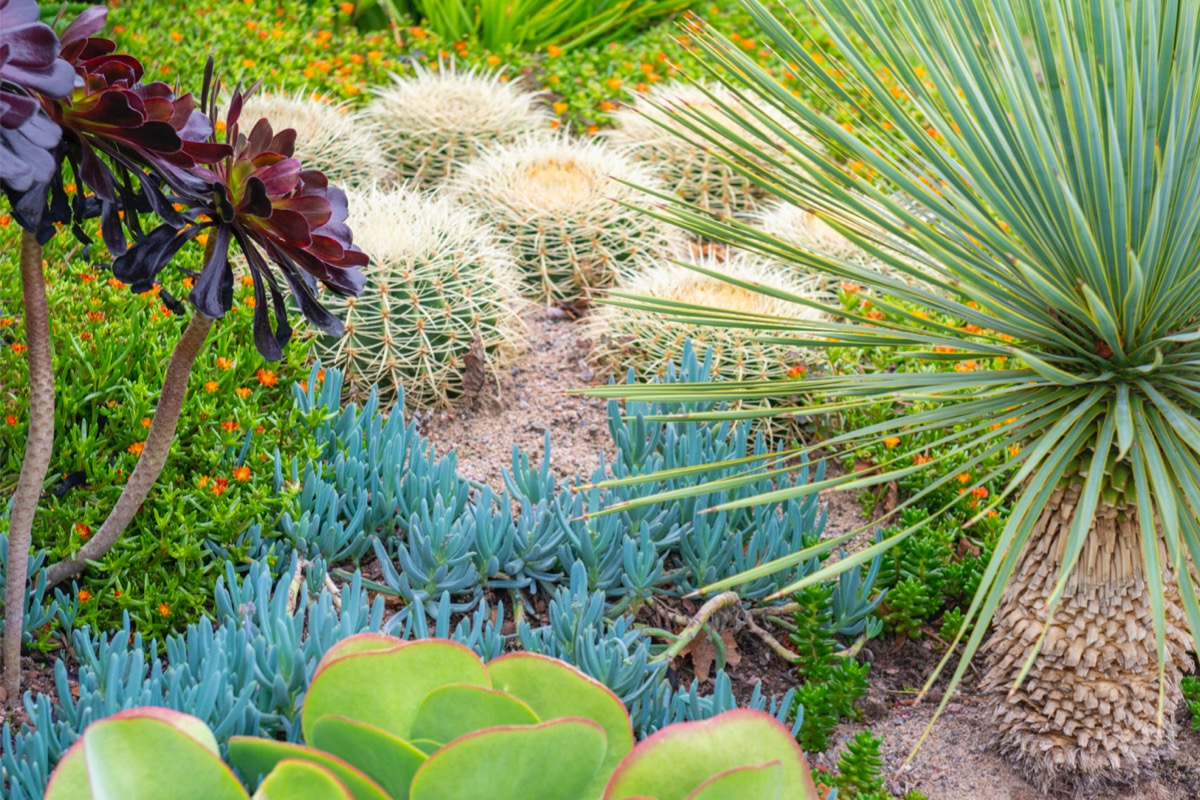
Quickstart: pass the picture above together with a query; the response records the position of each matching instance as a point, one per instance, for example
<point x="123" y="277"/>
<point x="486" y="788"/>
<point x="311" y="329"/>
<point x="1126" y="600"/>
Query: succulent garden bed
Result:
<point x="468" y="462"/>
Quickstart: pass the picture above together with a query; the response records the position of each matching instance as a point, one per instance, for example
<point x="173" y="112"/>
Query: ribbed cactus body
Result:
<point x="558" y="202"/>
<point x="440" y="309"/>
<point x="435" y="120"/>
<point x="684" y="163"/>
<point x="330" y="137"/>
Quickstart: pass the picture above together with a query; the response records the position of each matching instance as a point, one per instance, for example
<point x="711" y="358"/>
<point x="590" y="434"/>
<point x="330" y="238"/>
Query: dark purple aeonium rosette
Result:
<point x="123" y="139"/>
<point x="29" y="65"/>
<point x="261" y="199"/>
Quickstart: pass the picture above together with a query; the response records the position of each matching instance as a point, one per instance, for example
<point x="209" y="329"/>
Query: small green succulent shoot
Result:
<point x="428" y="720"/>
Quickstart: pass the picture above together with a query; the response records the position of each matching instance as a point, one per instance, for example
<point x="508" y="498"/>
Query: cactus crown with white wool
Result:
<point x="331" y="137"/>
<point x="440" y="311"/>
<point x="437" y="119"/>
<point x="685" y="164"/>
<point x="559" y="202"/>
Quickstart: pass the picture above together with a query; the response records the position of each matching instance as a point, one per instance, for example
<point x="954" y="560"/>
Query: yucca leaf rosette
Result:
<point x="1035" y="218"/>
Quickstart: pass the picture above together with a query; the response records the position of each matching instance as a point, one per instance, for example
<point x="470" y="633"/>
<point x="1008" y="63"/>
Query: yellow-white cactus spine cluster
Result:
<point x="440" y="309"/>
<point x="559" y="203"/>
<point x="437" y="119"/>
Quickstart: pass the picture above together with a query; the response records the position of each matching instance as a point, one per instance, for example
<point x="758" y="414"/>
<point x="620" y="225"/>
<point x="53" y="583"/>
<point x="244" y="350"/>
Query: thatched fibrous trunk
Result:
<point x="1086" y="715"/>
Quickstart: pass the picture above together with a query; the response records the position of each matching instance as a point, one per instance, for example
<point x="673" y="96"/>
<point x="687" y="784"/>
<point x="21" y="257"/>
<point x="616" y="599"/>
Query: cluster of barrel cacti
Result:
<point x="472" y="205"/>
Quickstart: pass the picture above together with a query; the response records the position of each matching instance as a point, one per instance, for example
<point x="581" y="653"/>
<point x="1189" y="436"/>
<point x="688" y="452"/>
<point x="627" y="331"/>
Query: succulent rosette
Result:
<point x="134" y="126"/>
<point x="29" y="66"/>
<point x="261" y="199"/>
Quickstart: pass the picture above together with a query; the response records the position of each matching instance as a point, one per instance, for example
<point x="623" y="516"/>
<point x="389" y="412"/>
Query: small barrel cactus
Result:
<point x="558" y="201"/>
<point x="331" y="137"/>
<point x="440" y="309"/>
<point x="436" y="119"/>
<point x="684" y="163"/>
<point x="646" y="341"/>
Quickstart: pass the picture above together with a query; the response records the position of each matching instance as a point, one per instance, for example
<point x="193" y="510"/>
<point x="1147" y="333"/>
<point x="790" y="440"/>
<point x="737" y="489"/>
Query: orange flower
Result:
<point x="220" y="486"/>
<point x="242" y="392"/>
<point x="560" y="107"/>
<point x="189" y="281"/>
<point x="346" y="8"/>
<point x="553" y="51"/>
<point x="211" y="386"/>
<point x="224" y="363"/>
<point x="164" y="609"/>
<point x="920" y="459"/>
<point x="83" y="530"/>
<point x="229" y="425"/>
<point x="250" y="302"/>
<point x="259" y="429"/>
<point x="851" y="288"/>
<point x="964" y="477"/>
<point x="493" y="61"/>
<point x="266" y="377"/>
<point x="5" y="220"/>
<point x="96" y="316"/>
<point x="202" y="481"/>
<point x="247" y="280"/>
<point x="10" y="419"/>
<point x="892" y="441"/>
<point x="84" y="595"/>
<point x="241" y="474"/>
<point x="6" y="322"/>
<point x="18" y="348"/>
<point x="136" y="448"/>
<point x="614" y="83"/>
<point x="979" y="492"/>
<point x="116" y="284"/>
<point x="797" y="371"/>
<point x="1014" y="450"/>
<point x="116" y="592"/>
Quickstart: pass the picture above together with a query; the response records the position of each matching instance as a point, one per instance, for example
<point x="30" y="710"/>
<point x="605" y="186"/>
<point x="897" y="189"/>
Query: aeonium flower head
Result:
<point x="29" y="65"/>
<point x="261" y="199"/>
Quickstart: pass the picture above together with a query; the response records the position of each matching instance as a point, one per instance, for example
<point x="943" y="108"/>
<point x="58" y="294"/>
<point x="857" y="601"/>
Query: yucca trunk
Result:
<point x="1086" y="715"/>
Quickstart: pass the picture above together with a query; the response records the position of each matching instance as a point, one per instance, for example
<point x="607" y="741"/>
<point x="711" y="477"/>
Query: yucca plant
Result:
<point x="1049" y="154"/>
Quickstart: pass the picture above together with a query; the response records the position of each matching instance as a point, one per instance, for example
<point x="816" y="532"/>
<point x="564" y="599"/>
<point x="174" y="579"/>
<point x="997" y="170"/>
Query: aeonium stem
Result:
<point x="153" y="458"/>
<point x="39" y="445"/>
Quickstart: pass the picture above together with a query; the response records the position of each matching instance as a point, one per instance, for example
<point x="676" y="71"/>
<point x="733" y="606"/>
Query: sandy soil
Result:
<point x="954" y="763"/>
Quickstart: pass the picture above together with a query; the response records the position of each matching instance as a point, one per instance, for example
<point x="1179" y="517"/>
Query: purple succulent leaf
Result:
<point x="213" y="293"/>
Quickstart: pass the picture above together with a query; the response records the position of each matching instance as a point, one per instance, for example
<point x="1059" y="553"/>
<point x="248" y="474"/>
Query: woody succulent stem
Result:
<point x="153" y="458"/>
<point x="38" y="447"/>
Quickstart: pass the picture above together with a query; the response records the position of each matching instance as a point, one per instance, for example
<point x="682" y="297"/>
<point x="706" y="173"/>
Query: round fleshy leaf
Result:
<point x="764" y="782"/>
<point x="387" y="760"/>
<point x="301" y="780"/>
<point x="552" y="761"/>
<point x="554" y="689"/>
<point x="678" y="759"/>
<point x="144" y="754"/>
<point x="385" y="688"/>
<point x="427" y="746"/>
<point x="453" y="711"/>
<point x="359" y="643"/>
<point x="256" y="758"/>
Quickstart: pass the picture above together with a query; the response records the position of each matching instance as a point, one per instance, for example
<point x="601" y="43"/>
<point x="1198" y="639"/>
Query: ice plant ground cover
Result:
<point x="300" y="506"/>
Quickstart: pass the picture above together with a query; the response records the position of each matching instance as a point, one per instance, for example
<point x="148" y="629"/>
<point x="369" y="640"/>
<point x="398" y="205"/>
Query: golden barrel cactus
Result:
<point x="559" y="202"/>
<point x="435" y="120"/>
<point x="440" y="311"/>
<point x="684" y="163"/>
